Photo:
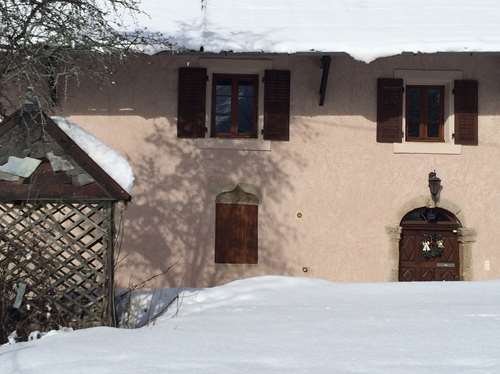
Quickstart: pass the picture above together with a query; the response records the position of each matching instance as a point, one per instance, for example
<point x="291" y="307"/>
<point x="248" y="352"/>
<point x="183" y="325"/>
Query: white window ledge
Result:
<point x="236" y="144"/>
<point x="428" y="148"/>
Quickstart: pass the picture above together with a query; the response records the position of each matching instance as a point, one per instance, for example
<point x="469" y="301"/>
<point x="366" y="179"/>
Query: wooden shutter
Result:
<point x="277" y="105"/>
<point x="236" y="237"/>
<point x="191" y="103"/>
<point x="466" y="112"/>
<point x="389" y="110"/>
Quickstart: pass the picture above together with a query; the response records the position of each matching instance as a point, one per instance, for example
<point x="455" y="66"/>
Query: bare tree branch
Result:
<point x="43" y="42"/>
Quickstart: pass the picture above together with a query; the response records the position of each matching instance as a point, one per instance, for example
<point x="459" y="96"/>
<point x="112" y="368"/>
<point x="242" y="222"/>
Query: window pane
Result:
<point x="246" y="89"/>
<point x="223" y="105"/>
<point x="223" y="92"/>
<point x="434" y="105"/>
<point x="413" y="112"/>
<point x="223" y="87"/>
<point x="245" y="114"/>
<point x="222" y="123"/>
<point x="246" y="93"/>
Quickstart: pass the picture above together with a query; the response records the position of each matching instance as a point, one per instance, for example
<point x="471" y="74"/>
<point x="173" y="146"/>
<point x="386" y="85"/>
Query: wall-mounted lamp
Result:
<point x="434" y="186"/>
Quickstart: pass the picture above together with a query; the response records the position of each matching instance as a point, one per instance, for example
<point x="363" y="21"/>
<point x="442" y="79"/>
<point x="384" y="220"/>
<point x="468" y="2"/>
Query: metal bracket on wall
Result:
<point x="325" y="69"/>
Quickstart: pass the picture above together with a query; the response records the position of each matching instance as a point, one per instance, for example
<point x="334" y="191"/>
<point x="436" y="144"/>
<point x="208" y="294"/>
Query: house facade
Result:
<point x="241" y="172"/>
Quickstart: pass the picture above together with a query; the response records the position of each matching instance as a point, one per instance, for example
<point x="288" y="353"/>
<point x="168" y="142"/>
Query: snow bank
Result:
<point x="290" y="325"/>
<point x="365" y="29"/>
<point x="111" y="161"/>
<point x="137" y="308"/>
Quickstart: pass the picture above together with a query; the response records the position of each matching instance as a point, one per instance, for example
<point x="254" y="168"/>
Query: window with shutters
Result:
<point x="234" y="106"/>
<point x="236" y="227"/>
<point x="427" y="111"/>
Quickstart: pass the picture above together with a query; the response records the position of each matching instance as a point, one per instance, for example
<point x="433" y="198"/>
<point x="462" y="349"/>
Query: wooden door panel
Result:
<point x="450" y="253"/>
<point x="425" y="275"/>
<point x="406" y="274"/>
<point x="408" y="251"/>
<point x="446" y="275"/>
<point x="415" y="266"/>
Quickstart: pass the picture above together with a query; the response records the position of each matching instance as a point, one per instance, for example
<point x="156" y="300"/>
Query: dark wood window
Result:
<point x="234" y="106"/>
<point x="236" y="237"/>
<point x="425" y="113"/>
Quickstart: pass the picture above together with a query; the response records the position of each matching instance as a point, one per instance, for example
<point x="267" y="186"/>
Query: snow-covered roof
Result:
<point x="365" y="29"/>
<point x="110" y="160"/>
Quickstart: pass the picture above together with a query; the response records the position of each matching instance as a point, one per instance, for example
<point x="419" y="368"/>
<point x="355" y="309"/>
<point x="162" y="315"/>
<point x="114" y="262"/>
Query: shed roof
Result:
<point x="65" y="172"/>
<point x="365" y="29"/>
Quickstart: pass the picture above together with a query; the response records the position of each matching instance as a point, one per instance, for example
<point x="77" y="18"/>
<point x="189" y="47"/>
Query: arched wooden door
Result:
<point x="428" y="249"/>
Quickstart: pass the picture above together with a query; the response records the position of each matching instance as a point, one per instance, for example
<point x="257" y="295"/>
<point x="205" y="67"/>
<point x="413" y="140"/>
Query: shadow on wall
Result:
<point x="146" y="86"/>
<point x="172" y="218"/>
<point x="171" y="221"/>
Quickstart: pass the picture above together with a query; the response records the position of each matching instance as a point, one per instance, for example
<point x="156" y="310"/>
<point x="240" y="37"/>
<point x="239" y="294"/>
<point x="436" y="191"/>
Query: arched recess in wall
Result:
<point x="466" y="235"/>
<point x="236" y="225"/>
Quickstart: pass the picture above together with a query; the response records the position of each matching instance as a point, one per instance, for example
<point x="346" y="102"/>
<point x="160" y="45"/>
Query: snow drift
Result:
<point x="289" y="325"/>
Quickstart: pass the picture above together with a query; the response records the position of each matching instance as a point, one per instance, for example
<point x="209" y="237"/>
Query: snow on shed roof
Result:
<point x="110" y="160"/>
<point x="365" y="29"/>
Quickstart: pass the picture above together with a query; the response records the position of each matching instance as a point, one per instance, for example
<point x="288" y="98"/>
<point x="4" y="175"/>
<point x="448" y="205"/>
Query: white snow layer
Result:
<point x="111" y="161"/>
<point x="365" y="29"/>
<point x="290" y="325"/>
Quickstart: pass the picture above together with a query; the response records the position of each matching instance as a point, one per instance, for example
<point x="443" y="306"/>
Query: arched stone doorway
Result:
<point x="429" y="246"/>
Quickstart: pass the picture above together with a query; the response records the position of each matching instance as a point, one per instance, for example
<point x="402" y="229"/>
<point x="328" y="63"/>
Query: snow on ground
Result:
<point x="290" y="325"/>
<point x="111" y="161"/>
<point x="365" y="29"/>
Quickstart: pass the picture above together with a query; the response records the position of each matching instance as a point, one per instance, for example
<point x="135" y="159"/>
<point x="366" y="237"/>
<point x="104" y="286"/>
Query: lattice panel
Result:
<point x="61" y="251"/>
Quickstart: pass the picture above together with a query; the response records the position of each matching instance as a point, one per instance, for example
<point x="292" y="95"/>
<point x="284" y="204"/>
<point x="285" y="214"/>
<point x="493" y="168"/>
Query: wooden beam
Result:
<point x="52" y="192"/>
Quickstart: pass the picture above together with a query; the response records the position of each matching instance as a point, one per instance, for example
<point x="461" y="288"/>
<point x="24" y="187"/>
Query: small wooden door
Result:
<point x="428" y="250"/>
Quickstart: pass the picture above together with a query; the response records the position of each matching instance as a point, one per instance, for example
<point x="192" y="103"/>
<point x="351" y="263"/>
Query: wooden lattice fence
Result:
<point x="63" y="253"/>
<point x="56" y="229"/>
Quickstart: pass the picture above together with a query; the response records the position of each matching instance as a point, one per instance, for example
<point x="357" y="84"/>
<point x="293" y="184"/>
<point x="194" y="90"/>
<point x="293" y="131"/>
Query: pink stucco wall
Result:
<point x="350" y="190"/>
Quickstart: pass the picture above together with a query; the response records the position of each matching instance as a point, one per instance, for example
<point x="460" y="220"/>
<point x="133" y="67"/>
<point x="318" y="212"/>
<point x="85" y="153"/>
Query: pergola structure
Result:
<point x="57" y="229"/>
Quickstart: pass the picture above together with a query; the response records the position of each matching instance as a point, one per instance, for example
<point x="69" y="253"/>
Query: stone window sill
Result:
<point x="428" y="148"/>
<point x="235" y="144"/>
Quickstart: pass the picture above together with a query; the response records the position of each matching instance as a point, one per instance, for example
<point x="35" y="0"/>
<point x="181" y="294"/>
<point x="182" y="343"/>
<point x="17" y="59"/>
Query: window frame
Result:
<point x="424" y="122"/>
<point x="233" y="134"/>
<point x="412" y="77"/>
